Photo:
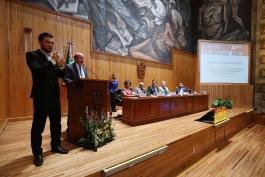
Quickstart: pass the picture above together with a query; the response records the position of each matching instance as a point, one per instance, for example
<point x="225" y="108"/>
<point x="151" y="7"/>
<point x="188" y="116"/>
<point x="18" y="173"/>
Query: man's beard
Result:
<point x="46" y="50"/>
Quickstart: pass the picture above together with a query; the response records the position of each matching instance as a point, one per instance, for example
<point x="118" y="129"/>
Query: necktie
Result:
<point x="165" y="90"/>
<point x="80" y="72"/>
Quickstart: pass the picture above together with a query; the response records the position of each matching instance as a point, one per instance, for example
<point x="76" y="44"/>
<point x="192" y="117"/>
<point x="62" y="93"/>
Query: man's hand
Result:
<point x="56" y="57"/>
<point x="61" y="62"/>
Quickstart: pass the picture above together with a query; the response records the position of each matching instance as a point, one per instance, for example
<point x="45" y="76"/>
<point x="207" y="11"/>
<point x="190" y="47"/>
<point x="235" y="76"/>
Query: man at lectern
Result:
<point x="45" y="68"/>
<point x="76" y="70"/>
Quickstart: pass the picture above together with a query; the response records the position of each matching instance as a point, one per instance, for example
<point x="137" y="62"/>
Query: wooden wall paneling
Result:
<point x="80" y="35"/>
<point x="184" y="68"/>
<point x="4" y="66"/>
<point x="241" y="94"/>
<point x="19" y="75"/>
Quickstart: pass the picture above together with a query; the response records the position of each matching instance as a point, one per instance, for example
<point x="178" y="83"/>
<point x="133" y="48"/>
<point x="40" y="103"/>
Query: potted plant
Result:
<point x="98" y="130"/>
<point x="228" y="103"/>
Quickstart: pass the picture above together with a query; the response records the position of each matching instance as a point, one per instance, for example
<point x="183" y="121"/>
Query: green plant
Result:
<point x="228" y="103"/>
<point x="98" y="130"/>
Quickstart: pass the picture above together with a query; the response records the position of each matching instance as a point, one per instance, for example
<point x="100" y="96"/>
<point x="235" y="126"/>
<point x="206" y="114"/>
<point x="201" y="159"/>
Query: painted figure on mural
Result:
<point x="127" y="27"/>
<point x="156" y="7"/>
<point x="220" y="20"/>
<point x="98" y="16"/>
<point x="157" y="47"/>
<point x="235" y="16"/>
<point x="213" y="19"/>
<point x="121" y="38"/>
<point x="177" y="23"/>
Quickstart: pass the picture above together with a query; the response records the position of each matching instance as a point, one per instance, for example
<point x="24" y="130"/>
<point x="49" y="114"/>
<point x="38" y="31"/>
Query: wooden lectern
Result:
<point x="84" y="96"/>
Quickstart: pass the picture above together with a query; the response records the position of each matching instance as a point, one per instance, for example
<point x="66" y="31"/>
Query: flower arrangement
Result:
<point x="228" y="103"/>
<point x="98" y="130"/>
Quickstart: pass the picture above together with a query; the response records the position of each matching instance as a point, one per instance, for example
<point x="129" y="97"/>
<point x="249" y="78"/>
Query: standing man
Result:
<point x="76" y="70"/>
<point x="45" y="69"/>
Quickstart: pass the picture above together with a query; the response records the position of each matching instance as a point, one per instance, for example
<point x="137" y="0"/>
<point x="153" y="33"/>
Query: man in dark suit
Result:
<point x="153" y="89"/>
<point x="76" y="70"/>
<point x="45" y="69"/>
<point x="181" y="89"/>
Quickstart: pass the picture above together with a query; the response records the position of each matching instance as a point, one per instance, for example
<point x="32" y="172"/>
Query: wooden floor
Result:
<point x="243" y="156"/>
<point x="16" y="157"/>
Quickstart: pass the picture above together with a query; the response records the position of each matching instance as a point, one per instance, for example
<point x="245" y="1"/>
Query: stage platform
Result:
<point x="16" y="157"/>
<point x="243" y="156"/>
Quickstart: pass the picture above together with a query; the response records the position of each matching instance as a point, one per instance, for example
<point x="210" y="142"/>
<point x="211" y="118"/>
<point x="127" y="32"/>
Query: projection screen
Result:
<point x="224" y="62"/>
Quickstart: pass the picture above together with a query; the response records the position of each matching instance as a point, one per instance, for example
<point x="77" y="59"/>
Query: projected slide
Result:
<point x="223" y="62"/>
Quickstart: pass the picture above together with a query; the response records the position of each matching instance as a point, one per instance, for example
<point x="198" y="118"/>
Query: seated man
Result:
<point x="127" y="91"/>
<point x="153" y="89"/>
<point x="181" y="89"/>
<point x="163" y="88"/>
<point x="76" y="70"/>
<point x="140" y="90"/>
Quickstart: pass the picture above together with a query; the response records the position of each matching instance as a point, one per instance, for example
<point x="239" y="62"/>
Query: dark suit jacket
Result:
<point x="44" y="76"/>
<point x="184" y="89"/>
<point x="151" y="90"/>
<point x="71" y="73"/>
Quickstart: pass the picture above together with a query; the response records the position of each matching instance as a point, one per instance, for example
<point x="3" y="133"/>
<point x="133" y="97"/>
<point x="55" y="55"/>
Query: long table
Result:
<point x="143" y="110"/>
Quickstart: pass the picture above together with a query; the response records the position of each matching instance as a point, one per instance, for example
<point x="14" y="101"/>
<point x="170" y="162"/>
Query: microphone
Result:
<point x="91" y="72"/>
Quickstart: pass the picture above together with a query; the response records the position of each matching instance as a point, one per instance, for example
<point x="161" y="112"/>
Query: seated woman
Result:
<point x="127" y="91"/>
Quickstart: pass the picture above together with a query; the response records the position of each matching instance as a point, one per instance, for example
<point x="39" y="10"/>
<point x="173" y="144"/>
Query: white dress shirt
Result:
<point x="48" y="56"/>
<point x="81" y="72"/>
